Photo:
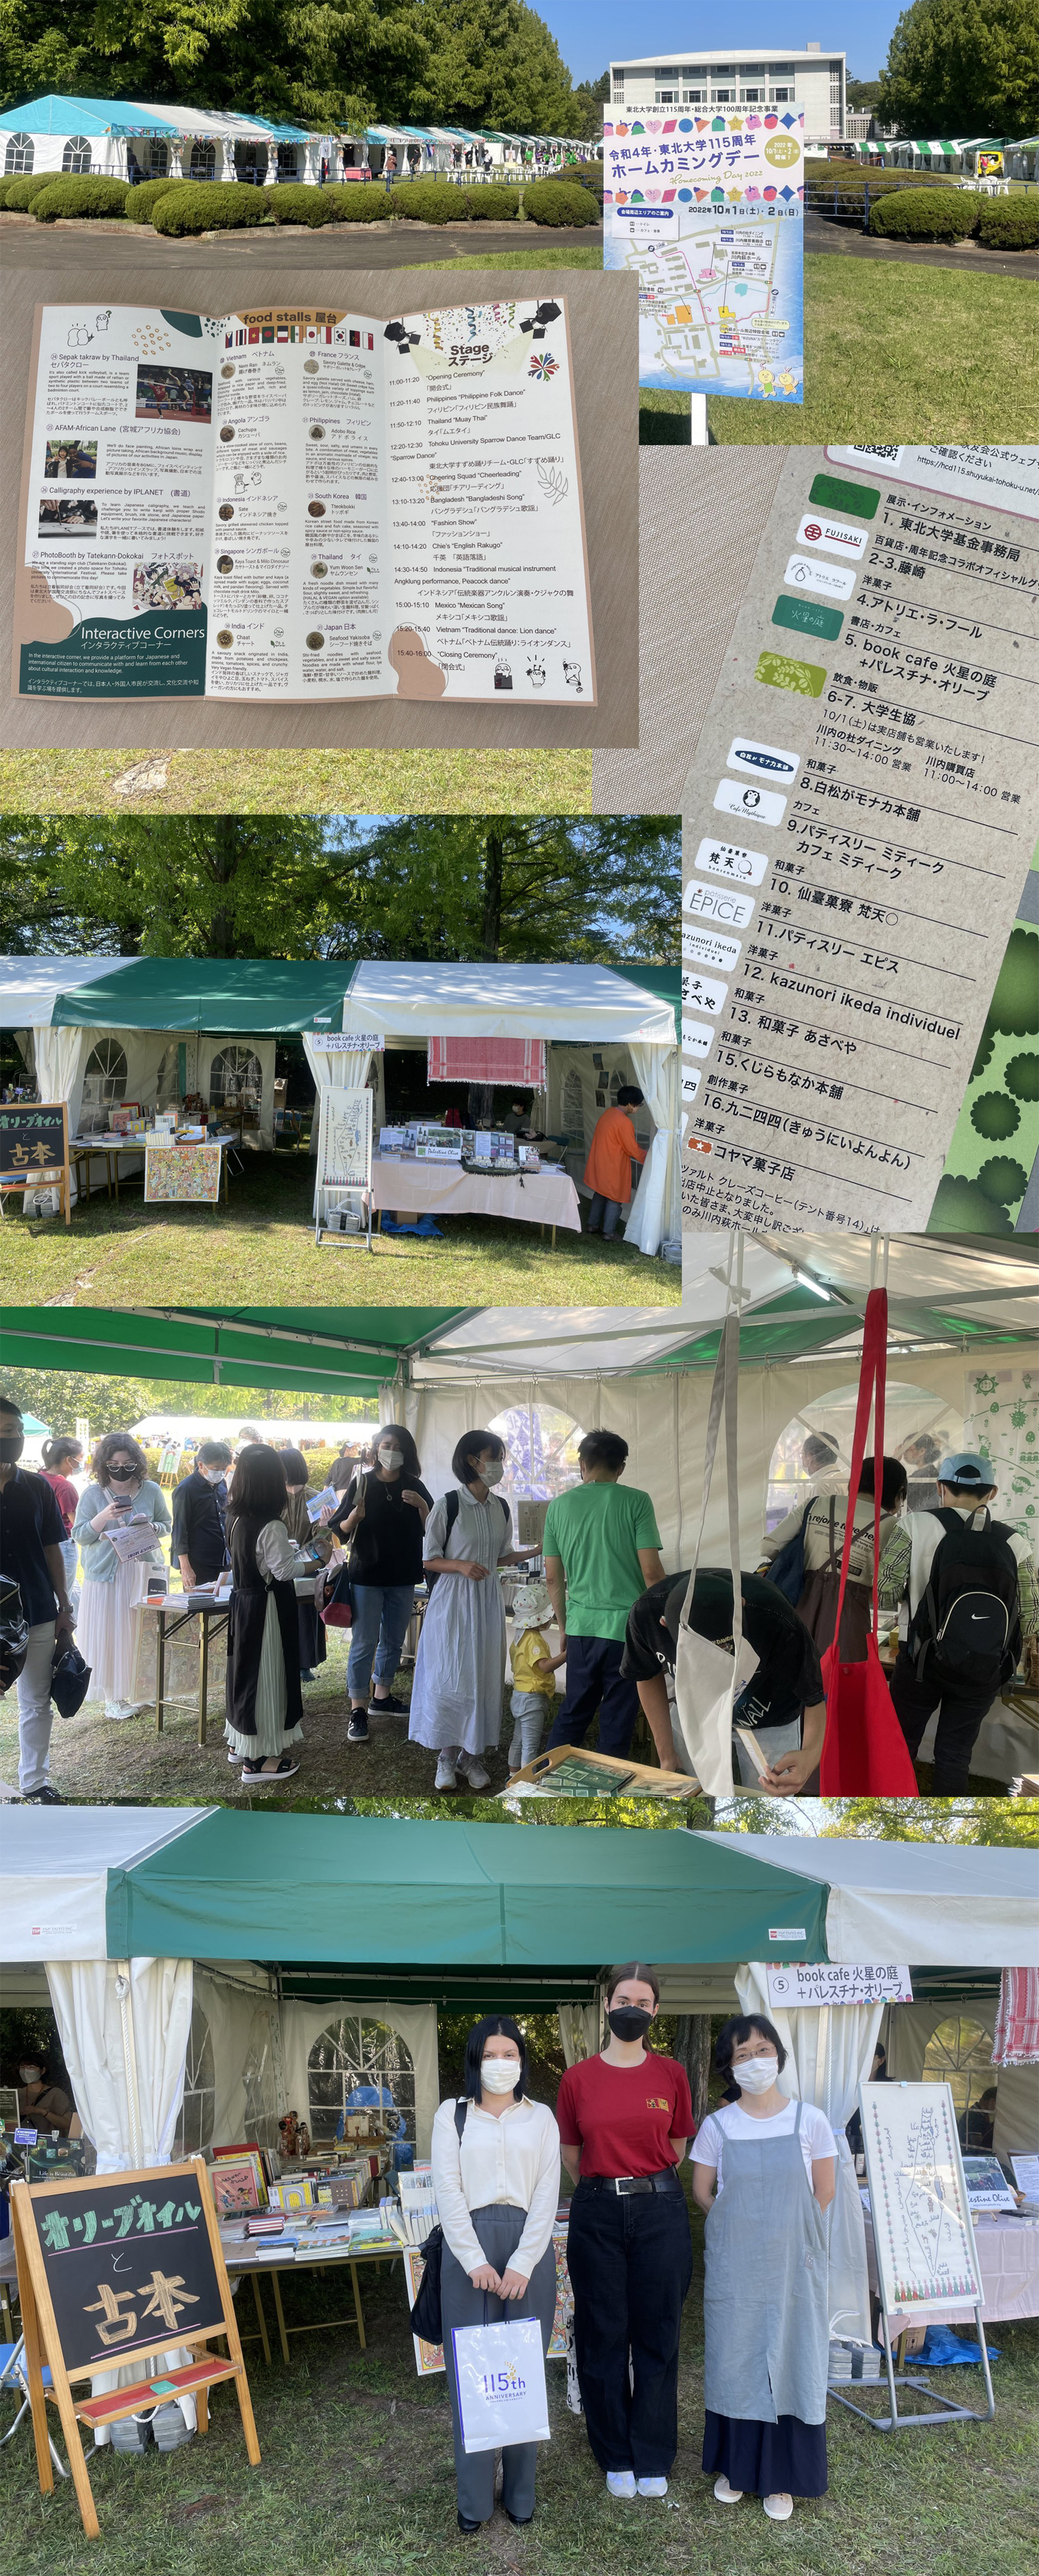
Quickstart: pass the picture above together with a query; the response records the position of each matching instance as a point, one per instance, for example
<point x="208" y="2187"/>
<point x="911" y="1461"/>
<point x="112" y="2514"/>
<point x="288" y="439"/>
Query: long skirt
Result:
<point x="107" y="1634"/>
<point x="272" y="1736"/>
<point x="457" y="1692"/>
<point x="785" y="2458"/>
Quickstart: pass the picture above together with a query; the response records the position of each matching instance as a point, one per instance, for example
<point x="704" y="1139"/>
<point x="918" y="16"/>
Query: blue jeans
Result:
<point x="381" y="1615"/>
<point x="594" y="1681"/>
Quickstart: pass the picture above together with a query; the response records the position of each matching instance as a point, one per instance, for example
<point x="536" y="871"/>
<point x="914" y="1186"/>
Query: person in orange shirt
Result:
<point x="607" y="1171"/>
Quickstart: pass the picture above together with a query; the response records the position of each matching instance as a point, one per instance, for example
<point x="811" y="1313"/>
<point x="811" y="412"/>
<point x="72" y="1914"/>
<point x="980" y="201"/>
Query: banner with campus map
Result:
<point x="708" y="211"/>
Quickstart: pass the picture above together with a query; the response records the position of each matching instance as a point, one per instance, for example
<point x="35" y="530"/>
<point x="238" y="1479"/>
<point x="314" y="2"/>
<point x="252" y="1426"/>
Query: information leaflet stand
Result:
<point x="922" y="2234"/>
<point x="103" y="2265"/>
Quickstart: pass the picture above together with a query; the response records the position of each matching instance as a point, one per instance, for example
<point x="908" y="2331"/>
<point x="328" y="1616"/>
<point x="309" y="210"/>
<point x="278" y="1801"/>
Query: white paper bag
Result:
<point x="502" y="2396"/>
<point x="707" y="1678"/>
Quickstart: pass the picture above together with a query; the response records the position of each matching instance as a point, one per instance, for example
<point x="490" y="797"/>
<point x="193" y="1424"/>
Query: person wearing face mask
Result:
<point x="312" y="1646"/>
<point x="264" y="1722"/>
<point x="41" y="2104"/>
<point x="382" y="1515"/>
<point x="624" y="2121"/>
<point x="120" y="1491"/>
<point x="770" y="2164"/>
<point x="495" y="2158"/>
<point x="457" y="1693"/>
<point x="63" y="1459"/>
<point x="32" y="1535"/>
<point x="199" y="1507"/>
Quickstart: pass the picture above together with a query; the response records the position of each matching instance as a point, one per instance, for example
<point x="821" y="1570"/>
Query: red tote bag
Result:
<point x="865" y="1754"/>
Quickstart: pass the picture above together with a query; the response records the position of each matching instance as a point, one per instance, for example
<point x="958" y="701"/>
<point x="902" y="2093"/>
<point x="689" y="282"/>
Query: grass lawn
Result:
<point x="357" y="2473"/>
<point x="536" y="255"/>
<point x="304" y="782"/>
<point x="892" y="351"/>
<point x="105" y="1761"/>
<point x="260" y="1251"/>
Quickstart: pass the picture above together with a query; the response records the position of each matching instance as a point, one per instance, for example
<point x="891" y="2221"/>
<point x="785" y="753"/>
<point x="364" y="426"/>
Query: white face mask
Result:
<point x="493" y="1472"/>
<point x="213" y="1475"/>
<point x="499" y="2074"/>
<point x="755" y="2074"/>
<point x="392" y="1459"/>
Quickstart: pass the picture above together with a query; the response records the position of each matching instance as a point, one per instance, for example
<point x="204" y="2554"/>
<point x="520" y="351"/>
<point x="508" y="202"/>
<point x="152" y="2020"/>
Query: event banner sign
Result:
<point x="792" y="1987"/>
<point x="858" y="823"/>
<point x="709" y="213"/>
<point x="922" y="2228"/>
<point x="289" y="506"/>
<point x="33" y="1139"/>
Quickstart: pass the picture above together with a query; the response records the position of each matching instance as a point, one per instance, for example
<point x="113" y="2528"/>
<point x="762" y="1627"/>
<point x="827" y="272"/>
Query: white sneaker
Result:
<point x="652" y="2486"/>
<point x="473" y="1771"/>
<point x="446" y="1775"/>
<point x="621" y="2482"/>
<point x="118" y="1708"/>
<point x="727" y="2494"/>
<point x="778" y="2507"/>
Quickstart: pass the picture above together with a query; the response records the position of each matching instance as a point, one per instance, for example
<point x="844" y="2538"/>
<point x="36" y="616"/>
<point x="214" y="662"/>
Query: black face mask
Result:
<point x="11" y="1449"/>
<point x="121" y="1475"/>
<point x="629" y="2021"/>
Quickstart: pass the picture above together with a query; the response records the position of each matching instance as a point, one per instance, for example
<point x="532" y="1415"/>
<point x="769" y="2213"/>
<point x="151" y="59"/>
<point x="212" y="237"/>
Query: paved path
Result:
<point x="294" y="249"/>
<point x="828" y="233"/>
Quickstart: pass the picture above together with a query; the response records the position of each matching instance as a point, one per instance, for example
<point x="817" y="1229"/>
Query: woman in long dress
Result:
<point x="264" y="1706"/>
<point x="108" y="1628"/>
<point x="771" y="2164"/>
<point x="456" y="1697"/>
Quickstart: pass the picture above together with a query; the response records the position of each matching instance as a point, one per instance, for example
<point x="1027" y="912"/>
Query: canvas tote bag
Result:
<point x="707" y="1677"/>
<point x="502" y="2395"/>
<point x="865" y="1754"/>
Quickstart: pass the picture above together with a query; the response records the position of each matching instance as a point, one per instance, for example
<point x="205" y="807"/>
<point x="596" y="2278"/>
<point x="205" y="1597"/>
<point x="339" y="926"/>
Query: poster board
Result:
<point x="115" y="2269"/>
<point x="922" y="2230"/>
<point x="188" y="1173"/>
<point x="34" y="1141"/>
<point x="708" y="211"/>
<point x="987" y="2185"/>
<point x="345" y="1140"/>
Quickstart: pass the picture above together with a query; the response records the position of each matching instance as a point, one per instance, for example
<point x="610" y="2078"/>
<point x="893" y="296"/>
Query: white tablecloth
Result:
<point x="1008" y="2253"/>
<point x="539" y="1198"/>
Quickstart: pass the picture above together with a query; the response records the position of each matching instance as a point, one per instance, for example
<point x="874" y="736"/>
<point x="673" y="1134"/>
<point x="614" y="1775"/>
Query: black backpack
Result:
<point x="968" y="1621"/>
<point x="449" y="1521"/>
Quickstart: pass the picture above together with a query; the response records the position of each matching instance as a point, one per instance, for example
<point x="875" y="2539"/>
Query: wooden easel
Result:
<point x="43" y="2339"/>
<point x="23" y="1180"/>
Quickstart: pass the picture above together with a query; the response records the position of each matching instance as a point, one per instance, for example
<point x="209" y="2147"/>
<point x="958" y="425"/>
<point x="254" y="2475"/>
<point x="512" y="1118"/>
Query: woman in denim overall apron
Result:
<point x="766" y="2313"/>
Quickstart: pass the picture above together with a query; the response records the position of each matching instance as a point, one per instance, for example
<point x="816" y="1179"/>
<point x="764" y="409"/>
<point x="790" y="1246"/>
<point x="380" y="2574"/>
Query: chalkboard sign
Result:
<point x="129" y="2267"/>
<point x="33" y="1139"/>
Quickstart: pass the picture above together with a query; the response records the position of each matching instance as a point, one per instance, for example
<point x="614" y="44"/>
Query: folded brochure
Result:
<point x="287" y="505"/>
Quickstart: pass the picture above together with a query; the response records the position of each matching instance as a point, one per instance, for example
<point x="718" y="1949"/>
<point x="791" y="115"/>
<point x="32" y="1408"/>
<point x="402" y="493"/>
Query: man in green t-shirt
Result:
<point x="601" y="1549"/>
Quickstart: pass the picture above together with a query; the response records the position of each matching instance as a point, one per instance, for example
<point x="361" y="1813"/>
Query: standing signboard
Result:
<point x="344" y="1162"/>
<point x="34" y="1140"/>
<point x="923" y="2235"/>
<point x="708" y="213"/>
<point x="116" y="2269"/>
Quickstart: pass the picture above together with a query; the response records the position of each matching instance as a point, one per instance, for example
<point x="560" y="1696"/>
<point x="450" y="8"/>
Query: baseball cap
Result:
<point x="966" y="1468"/>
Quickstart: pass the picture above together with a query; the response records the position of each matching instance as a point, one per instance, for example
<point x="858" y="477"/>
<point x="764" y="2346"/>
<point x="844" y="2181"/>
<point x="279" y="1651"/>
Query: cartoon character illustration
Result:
<point x="102" y="320"/>
<point x="536" y="673"/>
<point x="786" y="382"/>
<point x="572" y="676"/>
<point x="766" y="382"/>
<point x="79" y="337"/>
<point x="502" y="673"/>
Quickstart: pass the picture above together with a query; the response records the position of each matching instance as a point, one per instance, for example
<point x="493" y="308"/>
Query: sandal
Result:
<point x="284" y="1769"/>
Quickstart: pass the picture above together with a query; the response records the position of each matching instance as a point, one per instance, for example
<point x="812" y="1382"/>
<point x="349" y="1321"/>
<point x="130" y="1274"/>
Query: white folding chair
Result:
<point x="14" y="2379"/>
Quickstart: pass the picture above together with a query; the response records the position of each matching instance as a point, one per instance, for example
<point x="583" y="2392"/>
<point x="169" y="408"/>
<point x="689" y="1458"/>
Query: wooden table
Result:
<point x="545" y="1198"/>
<point x="318" y="2259"/>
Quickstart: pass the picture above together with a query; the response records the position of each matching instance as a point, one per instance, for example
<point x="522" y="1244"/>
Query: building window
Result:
<point x="959" y="2054"/>
<point x="203" y="161"/>
<point x="780" y="97"/>
<point x="751" y="97"/>
<point x="76" y="155"/>
<point x="724" y="97"/>
<point x="236" y="1081"/>
<point x="250" y="163"/>
<point x="286" y="160"/>
<point x="18" y="158"/>
<point x="356" y="2064"/>
<point x="194" y="2131"/>
<point x="667" y="98"/>
<point x="157" y="160"/>
<point x="694" y="98"/>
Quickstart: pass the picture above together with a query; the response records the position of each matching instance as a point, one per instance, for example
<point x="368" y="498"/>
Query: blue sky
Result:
<point x="590" y="32"/>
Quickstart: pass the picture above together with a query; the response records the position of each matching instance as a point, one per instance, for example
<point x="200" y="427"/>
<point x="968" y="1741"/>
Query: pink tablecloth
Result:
<point x="540" y="1198"/>
<point x="1008" y="2253"/>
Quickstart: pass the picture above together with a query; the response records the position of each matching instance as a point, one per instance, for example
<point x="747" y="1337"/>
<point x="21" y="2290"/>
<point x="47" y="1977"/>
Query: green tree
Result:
<point x="861" y="96"/>
<point x="934" y="1820"/>
<point x="963" y="67"/>
<point x="1022" y="1076"/>
<point x="995" y="1117"/>
<point x="494" y="63"/>
<point x="449" y="887"/>
<point x="61" y="1397"/>
<point x="1003" y="1180"/>
<point x="590" y="98"/>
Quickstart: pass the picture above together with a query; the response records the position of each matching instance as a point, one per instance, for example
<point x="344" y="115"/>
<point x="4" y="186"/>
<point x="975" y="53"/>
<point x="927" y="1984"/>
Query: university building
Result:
<point x="706" y="82"/>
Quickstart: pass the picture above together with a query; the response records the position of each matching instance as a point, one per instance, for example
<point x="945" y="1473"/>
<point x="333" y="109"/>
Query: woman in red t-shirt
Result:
<point x="624" y="2121"/>
<point x="62" y="1459"/>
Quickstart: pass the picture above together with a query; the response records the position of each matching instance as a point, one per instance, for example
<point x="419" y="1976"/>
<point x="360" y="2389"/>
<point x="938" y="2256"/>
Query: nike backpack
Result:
<point x="966" y="1628"/>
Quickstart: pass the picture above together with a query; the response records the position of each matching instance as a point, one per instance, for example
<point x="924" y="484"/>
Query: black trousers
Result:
<point x="630" y="2261"/>
<point x="958" y="1728"/>
<point x="594" y="1680"/>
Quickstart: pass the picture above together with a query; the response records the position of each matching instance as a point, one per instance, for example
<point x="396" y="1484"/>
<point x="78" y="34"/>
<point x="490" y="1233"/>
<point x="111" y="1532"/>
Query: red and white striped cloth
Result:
<point x="500" y="1060"/>
<point x="1017" y="2022"/>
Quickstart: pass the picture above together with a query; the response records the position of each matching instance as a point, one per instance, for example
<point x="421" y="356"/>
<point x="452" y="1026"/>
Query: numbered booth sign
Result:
<point x="117" y="2270"/>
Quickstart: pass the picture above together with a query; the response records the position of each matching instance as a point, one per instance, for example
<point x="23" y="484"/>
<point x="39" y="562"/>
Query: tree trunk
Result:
<point x="493" y="889"/>
<point x="223" y="865"/>
<point x="693" y="2051"/>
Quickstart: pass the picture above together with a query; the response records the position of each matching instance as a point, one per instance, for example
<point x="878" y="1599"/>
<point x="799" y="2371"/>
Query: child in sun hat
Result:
<point x="533" y="1671"/>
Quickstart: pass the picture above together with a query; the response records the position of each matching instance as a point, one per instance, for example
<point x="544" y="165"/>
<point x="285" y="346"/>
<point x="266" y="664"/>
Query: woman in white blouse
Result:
<point x="264" y="1706"/>
<point x="497" y="2191"/>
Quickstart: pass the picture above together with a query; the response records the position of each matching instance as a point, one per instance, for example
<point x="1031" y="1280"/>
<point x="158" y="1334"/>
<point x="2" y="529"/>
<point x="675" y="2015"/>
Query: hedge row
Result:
<point x="17" y="194"/>
<point x="554" y="201"/>
<point x="86" y="197"/>
<point x="184" y="206"/>
<point x="140" y="200"/>
<point x="955" y="215"/>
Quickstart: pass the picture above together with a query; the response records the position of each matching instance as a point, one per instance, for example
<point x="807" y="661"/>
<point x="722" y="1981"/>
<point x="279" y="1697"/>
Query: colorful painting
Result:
<point x="188" y="1173"/>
